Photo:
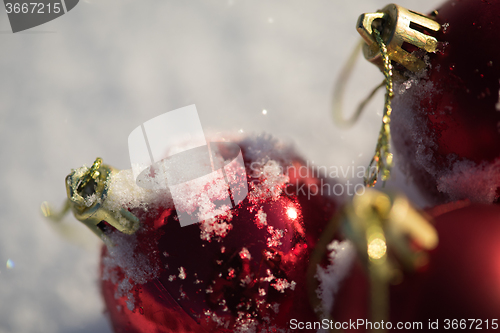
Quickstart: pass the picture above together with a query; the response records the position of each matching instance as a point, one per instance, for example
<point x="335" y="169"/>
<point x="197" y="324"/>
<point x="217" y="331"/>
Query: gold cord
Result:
<point x="381" y="162"/>
<point x="339" y="91"/>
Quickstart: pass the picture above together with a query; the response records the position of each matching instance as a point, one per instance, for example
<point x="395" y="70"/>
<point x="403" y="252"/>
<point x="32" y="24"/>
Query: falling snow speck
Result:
<point x="264" y="112"/>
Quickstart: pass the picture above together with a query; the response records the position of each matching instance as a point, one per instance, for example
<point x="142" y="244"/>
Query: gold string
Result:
<point x="382" y="160"/>
<point x="339" y="91"/>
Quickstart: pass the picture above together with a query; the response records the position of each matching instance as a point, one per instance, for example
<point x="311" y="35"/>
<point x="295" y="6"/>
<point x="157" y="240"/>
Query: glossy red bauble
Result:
<point x="460" y="282"/>
<point x="240" y="272"/>
<point x="446" y="121"/>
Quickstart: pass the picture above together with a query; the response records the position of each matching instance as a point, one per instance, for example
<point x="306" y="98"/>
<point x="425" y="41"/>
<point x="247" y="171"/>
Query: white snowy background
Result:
<point x="74" y="88"/>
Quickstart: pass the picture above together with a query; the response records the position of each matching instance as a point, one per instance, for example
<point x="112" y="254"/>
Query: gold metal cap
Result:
<point x="87" y="190"/>
<point x="398" y="26"/>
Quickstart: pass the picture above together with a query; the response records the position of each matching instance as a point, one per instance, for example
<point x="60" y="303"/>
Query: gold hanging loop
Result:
<point x="340" y="87"/>
<point x="388" y="35"/>
<point x="382" y="160"/>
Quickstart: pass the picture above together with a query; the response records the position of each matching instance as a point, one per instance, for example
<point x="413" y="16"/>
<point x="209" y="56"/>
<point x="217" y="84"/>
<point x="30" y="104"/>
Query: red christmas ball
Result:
<point x="460" y="282"/>
<point x="242" y="271"/>
<point x="463" y="277"/>
<point x="446" y="121"/>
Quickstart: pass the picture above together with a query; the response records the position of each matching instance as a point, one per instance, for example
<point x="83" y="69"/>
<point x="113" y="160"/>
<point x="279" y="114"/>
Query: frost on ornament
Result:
<point x="230" y="272"/>
<point x="341" y="257"/>
<point x="271" y="182"/>
<point x="261" y="219"/>
<point x="445" y="120"/>
<point x="442" y="177"/>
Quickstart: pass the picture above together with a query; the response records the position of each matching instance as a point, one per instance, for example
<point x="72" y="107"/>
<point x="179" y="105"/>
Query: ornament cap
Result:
<point x="388" y="218"/>
<point x="87" y="190"/>
<point x="402" y="31"/>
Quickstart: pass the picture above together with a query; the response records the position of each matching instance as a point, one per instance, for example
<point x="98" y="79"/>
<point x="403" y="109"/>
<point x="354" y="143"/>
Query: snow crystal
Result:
<point x="246" y="281"/>
<point x="269" y="276"/>
<point x="271" y="183"/>
<point x="220" y="322"/>
<point x="91" y="199"/>
<point x="261" y="218"/>
<point x="276" y="235"/>
<point x="199" y="195"/>
<point x="269" y="255"/>
<point x="282" y="284"/>
<point x="216" y="227"/>
<point x="245" y="254"/>
<point x="182" y="294"/>
<point x="341" y="258"/>
<point x="246" y="325"/>
<point x="182" y="273"/>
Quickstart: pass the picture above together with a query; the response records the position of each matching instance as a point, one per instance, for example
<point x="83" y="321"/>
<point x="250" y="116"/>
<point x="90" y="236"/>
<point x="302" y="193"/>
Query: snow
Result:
<point x="217" y="227"/>
<point x="124" y="193"/>
<point x="467" y="179"/>
<point x="330" y="278"/>
<point x="275" y="236"/>
<point x="182" y="273"/>
<point x="261" y="219"/>
<point x="282" y="284"/>
<point x="270" y="185"/>
<point x="136" y="266"/>
<point x="463" y="178"/>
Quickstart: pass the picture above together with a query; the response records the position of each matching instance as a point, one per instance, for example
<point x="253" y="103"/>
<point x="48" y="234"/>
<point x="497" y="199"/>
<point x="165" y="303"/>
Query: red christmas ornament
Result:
<point x="446" y="120"/>
<point x="463" y="278"/>
<point x="243" y="271"/>
<point x="460" y="282"/>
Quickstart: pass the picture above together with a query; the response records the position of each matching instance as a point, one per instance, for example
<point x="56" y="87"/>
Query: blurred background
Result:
<point x="74" y="88"/>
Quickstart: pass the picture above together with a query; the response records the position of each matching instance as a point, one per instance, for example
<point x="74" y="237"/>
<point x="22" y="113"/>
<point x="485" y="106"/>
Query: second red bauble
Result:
<point x="461" y="281"/>
<point x="446" y="121"/>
